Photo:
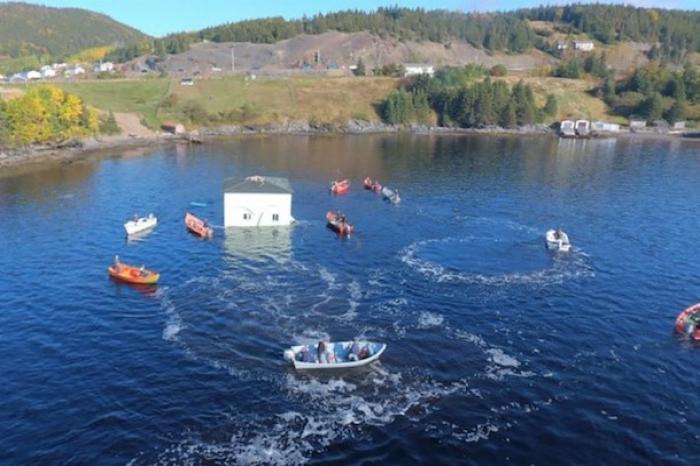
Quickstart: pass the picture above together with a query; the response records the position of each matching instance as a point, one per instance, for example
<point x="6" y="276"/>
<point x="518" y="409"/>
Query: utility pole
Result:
<point x="233" y="61"/>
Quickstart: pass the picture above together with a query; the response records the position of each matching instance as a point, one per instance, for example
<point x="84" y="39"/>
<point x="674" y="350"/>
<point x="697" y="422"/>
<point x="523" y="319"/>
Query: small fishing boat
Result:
<point x="688" y="322"/>
<point x="131" y="274"/>
<point x="198" y="227"/>
<point x="557" y="240"/>
<point x="339" y="355"/>
<point x="372" y="185"/>
<point x="338" y="223"/>
<point x="140" y="225"/>
<point x="391" y="195"/>
<point x="340" y="187"/>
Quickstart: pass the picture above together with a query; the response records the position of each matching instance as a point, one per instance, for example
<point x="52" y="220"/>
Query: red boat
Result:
<point x="338" y="223"/>
<point x="688" y="322"/>
<point x="198" y="227"/>
<point x="372" y="185"/>
<point x="340" y="187"/>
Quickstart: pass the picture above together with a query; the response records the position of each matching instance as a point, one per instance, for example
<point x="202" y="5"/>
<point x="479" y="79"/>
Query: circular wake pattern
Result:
<point x="486" y="260"/>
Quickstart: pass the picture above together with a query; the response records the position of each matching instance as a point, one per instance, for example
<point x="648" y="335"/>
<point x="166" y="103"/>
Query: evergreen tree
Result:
<point x="508" y="118"/>
<point x="360" y="70"/>
<point x="551" y="106"/>
<point x="609" y="87"/>
<point x="652" y="107"/>
<point x="677" y="112"/>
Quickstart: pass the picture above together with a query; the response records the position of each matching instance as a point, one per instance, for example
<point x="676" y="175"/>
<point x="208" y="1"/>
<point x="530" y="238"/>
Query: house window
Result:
<point x="275" y="217"/>
<point x="246" y="216"/>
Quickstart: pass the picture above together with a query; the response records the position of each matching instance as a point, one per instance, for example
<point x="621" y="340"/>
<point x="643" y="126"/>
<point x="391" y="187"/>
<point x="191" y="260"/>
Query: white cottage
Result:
<point x="257" y="201"/>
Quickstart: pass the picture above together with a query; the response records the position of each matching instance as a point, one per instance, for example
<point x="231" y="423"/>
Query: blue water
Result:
<point x="499" y="352"/>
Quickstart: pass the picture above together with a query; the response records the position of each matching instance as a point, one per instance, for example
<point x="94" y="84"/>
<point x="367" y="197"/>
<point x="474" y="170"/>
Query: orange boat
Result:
<point x="131" y="274"/>
<point x="372" y="185"/>
<point x="198" y="227"/>
<point x="688" y="322"/>
<point x="338" y="223"/>
<point x="340" y="187"/>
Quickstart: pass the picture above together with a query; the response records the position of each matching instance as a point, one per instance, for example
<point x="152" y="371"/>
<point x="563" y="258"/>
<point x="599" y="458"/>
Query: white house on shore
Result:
<point x="584" y="45"/>
<point x="47" y="72"/>
<point x="257" y="201"/>
<point x="415" y="69"/>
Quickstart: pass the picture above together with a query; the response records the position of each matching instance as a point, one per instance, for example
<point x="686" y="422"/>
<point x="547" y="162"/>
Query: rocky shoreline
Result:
<point x="105" y="146"/>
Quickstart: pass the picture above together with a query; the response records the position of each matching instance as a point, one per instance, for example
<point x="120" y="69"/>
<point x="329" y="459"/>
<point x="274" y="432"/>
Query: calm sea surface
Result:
<point x="498" y="351"/>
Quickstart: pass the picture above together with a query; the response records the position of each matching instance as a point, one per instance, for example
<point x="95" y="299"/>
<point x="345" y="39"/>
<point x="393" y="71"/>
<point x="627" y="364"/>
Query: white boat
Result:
<point x="339" y="355"/>
<point x="391" y="195"/>
<point x="557" y="240"/>
<point x="140" y="225"/>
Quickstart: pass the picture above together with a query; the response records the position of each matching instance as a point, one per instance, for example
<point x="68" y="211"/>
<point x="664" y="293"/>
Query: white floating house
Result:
<point x="257" y="201"/>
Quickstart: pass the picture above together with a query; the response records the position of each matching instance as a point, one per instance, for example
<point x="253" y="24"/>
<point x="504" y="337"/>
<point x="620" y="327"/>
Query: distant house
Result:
<point x="678" y="125"/>
<point x="637" y="122"/>
<point x="567" y="129"/>
<point x="2" y="77"/>
<point x="75" y="71"/>
<point x="33" y="75"/>
<point x="173" y="128"/>
<point x="257" y="201"/>
<point x="416" y="69"/>
<point x="562" y="45"/>
<point x="47" y="72"/>
<point x="215" y="69"/>
<point x="583" y="128"/>
<point x="106" y="67"/>
<point x="604" y="127"/>
<point x="187" y="82"/>
<point x="17" y="77"/>
<point x="583" y="45"/>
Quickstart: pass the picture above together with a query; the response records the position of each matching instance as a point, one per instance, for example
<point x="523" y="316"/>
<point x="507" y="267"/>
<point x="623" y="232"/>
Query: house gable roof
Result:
<point x="258" y="185"/>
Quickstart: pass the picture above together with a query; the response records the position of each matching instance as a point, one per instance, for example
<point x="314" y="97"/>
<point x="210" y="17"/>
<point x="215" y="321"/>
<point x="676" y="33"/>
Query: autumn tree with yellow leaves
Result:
<point x="45" y="114"/>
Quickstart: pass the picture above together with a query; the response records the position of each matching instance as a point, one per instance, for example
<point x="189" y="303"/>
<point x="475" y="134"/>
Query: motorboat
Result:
<point x="140" y="224"/>
<point x="688" y="322"/>
<point x="391" y="195"/>
<point x="198" y="227"/>
<point x="338" y="355"/>
<point x="339" y="223"/>
<point x="340" y="187"/>
<point x="372" y="185"/>
<point x="132" y="274"/>
<point x="557" y="240"/>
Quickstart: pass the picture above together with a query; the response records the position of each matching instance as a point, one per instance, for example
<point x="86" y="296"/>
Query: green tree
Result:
<point x="551" y="106"/>
<point x="652" y="107"/>
<point x="360" y="70"/>
<point x="677" y="112"/>
<point x="508" y="118"/>
<point x="398" y="107"/>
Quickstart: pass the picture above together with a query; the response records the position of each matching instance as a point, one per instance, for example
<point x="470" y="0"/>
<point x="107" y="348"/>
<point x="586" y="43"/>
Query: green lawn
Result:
<point x="141" y="96"/>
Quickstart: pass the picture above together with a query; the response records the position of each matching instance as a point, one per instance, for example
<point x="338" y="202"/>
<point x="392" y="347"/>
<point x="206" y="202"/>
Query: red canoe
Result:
<point x="338" y="223"/>
<point x="372" y="185"/>
<point x="340" y="187"/>
<point x="688" y="322"/>
<point x="198" y="227"/>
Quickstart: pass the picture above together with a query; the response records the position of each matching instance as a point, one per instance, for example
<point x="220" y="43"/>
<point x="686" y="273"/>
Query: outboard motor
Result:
<point x="289" y="355"/>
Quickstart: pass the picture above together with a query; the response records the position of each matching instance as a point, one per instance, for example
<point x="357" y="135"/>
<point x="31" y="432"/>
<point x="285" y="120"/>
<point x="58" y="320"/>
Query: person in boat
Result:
<point x="142" y="271"/>
<point x="321" y="352"/>
<point x="358" y="353"/>
<point x="557" y="233"/>
<point x="117" y="264"/>
<point x="136" y="217"/>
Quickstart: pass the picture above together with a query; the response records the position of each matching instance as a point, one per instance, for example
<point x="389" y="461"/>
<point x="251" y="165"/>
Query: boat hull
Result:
<point x="335" y="223"/>
<point x="198" y="227"/>
<point x="688" y="322"/>
<point x="340" y="187"/>
<point x="340" y="350"/>
<point x="557" y="244"/>
<point x="133" y="275"/>
<point x="141" y="225"/>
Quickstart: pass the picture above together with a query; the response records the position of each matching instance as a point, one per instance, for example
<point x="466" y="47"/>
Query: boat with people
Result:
<point x="557" y="240"/>
<point x="339" y="223"/>
<point x="131" y="274"/>
<point x="340" y="187"/>
<point x="372" y="185"/>
<point x="338" y="355"/>
<point x="391" y="195"/>
<point x="140" y="224"/>
<point x="688" y="322"/>
<point x="199" y="227"/>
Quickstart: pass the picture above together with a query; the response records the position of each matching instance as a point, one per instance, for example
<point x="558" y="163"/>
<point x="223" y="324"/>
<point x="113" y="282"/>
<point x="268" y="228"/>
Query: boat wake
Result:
<point x="574" y="265"/>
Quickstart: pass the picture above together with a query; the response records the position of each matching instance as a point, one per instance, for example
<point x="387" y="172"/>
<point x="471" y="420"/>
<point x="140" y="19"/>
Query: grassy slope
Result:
<point x="297" y="98"/>
<point x="322" y="99"/>
<point x="137" y="96"/>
